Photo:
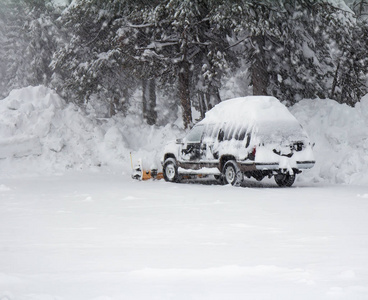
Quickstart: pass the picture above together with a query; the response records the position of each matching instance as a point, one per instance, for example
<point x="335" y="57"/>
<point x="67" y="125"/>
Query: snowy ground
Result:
<point x="96" y="235"/>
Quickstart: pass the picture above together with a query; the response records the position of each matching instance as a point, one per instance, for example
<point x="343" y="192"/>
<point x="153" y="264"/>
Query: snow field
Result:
<point x="86" y="235"/>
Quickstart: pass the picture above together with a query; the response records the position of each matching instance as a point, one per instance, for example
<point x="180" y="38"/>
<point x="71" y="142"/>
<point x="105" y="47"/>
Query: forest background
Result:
<point x="160" y="59"/>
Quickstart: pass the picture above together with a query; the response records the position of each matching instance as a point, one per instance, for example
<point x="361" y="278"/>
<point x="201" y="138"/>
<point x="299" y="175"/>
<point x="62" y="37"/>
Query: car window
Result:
<point x="240" y="134"/>
<point x="195" y="135"/>
<point x="210" y="133"/>
<point x="229" y="132"/>
<point x="221" y="135"/>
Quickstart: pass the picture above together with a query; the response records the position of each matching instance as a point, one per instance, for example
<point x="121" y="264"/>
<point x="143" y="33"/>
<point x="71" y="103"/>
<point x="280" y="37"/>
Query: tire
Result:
<point x="231" y="173"/>
<point x="285" y="180"/>
<point x="170" y="170"/>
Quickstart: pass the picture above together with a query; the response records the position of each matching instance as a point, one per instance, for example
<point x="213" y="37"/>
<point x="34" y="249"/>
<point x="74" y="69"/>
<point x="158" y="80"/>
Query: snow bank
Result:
<point x="39" y="132"/>
<point x="341" y="137"/>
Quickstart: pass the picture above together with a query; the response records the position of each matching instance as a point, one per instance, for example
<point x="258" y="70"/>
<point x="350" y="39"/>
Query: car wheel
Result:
<point x="285" y="180"/>
<point x="170" y="170"/>
<point x="232" y="174"/>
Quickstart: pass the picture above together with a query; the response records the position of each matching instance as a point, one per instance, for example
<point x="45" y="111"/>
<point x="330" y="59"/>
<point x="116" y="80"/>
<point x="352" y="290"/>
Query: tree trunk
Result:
<point x="125" y="103"/>
<point x="334" y="83"/>
<point x="184" y="94"/>
<point x="152" y="113"/>
<point x="216" y="95"/>
<point x="202" y="104"/>
<point x="149" y="101"/>
<point x="260" y="75"/>
<point x="207" y="100"/>
<point x="114" y="104"/>
<point x="144" y="98"/>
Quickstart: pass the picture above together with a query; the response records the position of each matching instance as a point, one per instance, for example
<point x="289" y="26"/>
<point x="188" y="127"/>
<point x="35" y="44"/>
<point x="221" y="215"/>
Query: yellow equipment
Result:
<point x="140" y="174"/>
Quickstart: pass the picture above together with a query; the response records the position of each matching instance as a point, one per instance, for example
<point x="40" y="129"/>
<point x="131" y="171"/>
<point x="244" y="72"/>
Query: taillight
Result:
<point x="252" y="155"/>
<point x="254" y="152"/>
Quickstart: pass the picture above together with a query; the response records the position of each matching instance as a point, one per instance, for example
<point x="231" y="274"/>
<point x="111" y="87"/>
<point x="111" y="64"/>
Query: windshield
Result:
<point x="195" y="135"/>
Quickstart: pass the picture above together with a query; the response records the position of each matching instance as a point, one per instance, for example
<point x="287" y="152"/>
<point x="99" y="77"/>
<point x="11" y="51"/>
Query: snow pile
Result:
<point x="341" y="140"/>
<point x="269" y="119"/>
<point x="249" y="109"/>
<point x="40" y="132"/>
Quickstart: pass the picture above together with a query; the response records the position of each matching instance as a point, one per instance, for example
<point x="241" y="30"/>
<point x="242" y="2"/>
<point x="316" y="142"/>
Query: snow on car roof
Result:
<point x="264" y="115"/>
<point x="249" y="110"/>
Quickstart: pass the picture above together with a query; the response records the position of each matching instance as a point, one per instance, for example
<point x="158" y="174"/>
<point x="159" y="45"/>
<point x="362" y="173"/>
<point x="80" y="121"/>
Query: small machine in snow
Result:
<point x="140" y="174"/>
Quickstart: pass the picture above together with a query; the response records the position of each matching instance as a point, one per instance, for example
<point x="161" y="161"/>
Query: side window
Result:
<point x="248" y="141"/>
<point x="195" y="135"/>
<point x="229" y="133"/>
<point x="221" y="135"/>
<point x="225" y="133"/>
<point x="241" y="135"/>
<point x="210" y="133"/>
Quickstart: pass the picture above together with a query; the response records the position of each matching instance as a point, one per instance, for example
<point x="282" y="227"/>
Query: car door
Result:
<point x="209" y="142"/>
<point x="191" y="150"/>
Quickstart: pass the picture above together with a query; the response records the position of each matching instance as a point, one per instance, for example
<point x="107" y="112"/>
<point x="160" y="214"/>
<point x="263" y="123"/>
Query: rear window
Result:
<point x="281" y="132"/>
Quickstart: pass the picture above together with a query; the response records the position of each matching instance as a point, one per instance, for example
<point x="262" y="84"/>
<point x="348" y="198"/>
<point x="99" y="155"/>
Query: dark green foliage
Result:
<point x="351" y="61"/>
<point x="89" y="63"/>
<point x="28" y="40"/>
<point x="108" y="49"/>
<point x="290" y="46"/>
<point x="186" y="47"/>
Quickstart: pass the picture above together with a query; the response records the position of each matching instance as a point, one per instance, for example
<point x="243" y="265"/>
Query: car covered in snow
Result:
<point x="253" y="136"/>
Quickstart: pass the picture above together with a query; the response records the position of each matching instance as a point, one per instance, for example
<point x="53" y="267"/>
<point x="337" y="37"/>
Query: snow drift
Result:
<point x="39" y="132"/>
<point x="340" y="133"/>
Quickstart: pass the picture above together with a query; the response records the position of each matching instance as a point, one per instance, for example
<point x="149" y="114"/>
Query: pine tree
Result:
<point x="287" y="44"/>
<point x="184" y="45"/>
<point x="351" y="58"/>
<point x="3" y="64"/>
<point x="28" y="42"/>
<point x="133" y="35"/>
<point x="91" y="63"/>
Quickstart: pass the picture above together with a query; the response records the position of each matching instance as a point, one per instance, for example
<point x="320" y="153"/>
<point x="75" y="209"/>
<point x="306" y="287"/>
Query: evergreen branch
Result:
<point x="237" y="43"/>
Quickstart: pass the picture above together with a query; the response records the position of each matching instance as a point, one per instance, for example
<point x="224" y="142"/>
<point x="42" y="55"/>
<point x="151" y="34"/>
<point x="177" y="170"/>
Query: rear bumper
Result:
<point x="275" y="166"/>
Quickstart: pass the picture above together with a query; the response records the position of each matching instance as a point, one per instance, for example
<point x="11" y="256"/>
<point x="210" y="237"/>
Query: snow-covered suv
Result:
<point x="252" y="136"/>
